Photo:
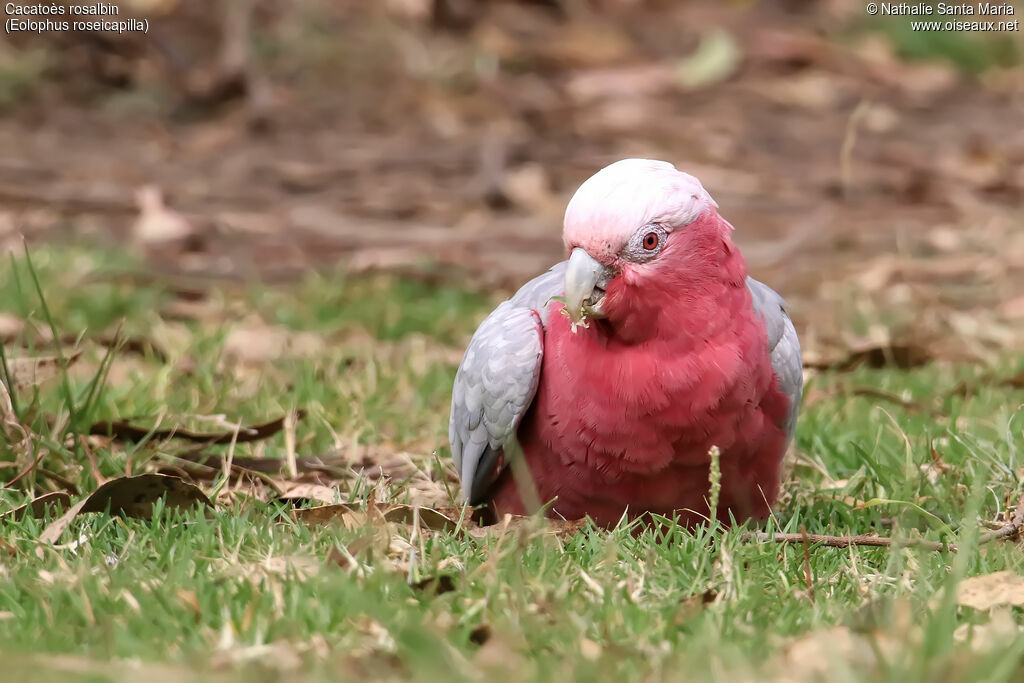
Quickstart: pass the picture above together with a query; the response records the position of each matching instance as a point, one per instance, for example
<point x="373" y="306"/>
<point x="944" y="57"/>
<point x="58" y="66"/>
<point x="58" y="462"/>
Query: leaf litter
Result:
<point x="57" y="501"/>
<point x="130" y="496"/>
<point x="988" y="591"/>
<point x="125" y="431"/>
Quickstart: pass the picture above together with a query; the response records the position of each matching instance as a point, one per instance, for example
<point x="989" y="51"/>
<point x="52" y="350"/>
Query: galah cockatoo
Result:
<point x="613" y="375"/>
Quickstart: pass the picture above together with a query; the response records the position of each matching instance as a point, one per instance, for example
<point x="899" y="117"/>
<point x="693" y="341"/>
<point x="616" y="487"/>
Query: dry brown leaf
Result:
<point x="342" y="513"/>
<point x="58" y="500"/>
<point x="10" y="326"/>
<point x="254" y="342"/>
<point x="191" y="601"/>
<point x="124" y="431"/>
<point x="156" y="223"/>
<point x="428" y="518"/>
<point x="54" y="666"/>
<point x="996" y="633"/>
<point x="624" y="82"/>
<point x="188" y="310"/>
<point x="134" y="496"/>
<point x="894" y="354"/>
<point x="202" y="465"/>
<point x="353" y="516"/>
<point x="817" y="654"/>
<point x="296" y="493"/>
<point x="529" y="186"/>
<point x="590" y="650"/>
<point x="513" y="36"/>
<point x="338" y="558"/>
<point x="412" y="10"/>
<point x="435" y="585"/>
<point x="902" y="401"/>
<point x="561" y="528"/>
<point x="1013" y="308"/>
<point x="815" y="91"/>
<point x="693" y="605"/>
<point x="716" y="59"/>
<point x="130" y="496"/>
<point x="276" y="656"/>
<point x="30" y="371"/>
<point x="588" y="44"/>
<point x="14" y="432"/>
<point x="23" y="372"/>
<point x="1005" y="588"/>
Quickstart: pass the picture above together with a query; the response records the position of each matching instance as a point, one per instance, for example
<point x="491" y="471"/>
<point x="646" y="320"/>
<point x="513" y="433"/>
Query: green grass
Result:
<point x="246" y="592"/>
<point x="971" y="52"/>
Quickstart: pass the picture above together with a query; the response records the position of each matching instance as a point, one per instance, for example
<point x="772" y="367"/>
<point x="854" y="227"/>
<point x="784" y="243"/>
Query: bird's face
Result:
<point x="628" y="228"/>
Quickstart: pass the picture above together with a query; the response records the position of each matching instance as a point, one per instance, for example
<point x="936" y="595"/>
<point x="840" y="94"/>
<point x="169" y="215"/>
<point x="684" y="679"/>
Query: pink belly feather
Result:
<point x="618" y="428"/>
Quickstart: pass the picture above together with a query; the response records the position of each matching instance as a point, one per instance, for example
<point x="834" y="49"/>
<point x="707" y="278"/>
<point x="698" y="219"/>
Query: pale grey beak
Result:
<point x="585" y="282"/>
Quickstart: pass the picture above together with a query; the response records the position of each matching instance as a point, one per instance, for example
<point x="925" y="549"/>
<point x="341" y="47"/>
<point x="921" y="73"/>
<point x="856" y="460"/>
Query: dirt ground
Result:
<point x="442" y="139"/>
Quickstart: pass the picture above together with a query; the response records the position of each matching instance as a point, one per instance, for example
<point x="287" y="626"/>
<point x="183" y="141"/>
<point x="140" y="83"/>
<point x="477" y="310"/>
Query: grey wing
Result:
<point x="784" y="345"/>
<point x="496" y="382"/>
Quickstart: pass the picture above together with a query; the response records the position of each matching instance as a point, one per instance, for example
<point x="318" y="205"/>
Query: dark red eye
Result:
<point x="651" y="241"/>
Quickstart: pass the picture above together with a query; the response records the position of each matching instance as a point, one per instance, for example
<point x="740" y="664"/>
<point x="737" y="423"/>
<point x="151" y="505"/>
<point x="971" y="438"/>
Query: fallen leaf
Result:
<point x="124" y="431"/>
<point x="561" y="528"/>
<point x="58" y="500"/>
<point x="30" y="371"/>
<point x="716" y="59"/>
<point x="412" y="10"/>
<point x="588" y="44"/>
<point x="590" y="650"/>
<point x="10" y="326"/>
<point x="191" y="601"/>
<point x="815" y="91"/>
<point x="428" y="518"/>
<point x="1005" y="588"/>
<point x="130" y="496"/>
<point x="319" y="493"/>
<point x="210" y="465"/>
<point x="137" y="344"/>
<point x="12" y="429"/>
<point x="512" y="37"/>
<point x="134" y="496"/>
<point x="338" y="558"/>
<point x="1014" y="381"/>
<point x="893" y="354"/>
<point x="435" y="585"/>
<point x="354" y="515"/>
<point x="816" y="654"/>
<point x="276" y="656"/>
<point x="997" y="633"/>
<point x="689" y="607"/>
<point x="481" y="634"/>
<point x="624" y="82"/>
<point x="326" y="514"/>
<point x="902" y="401"/>
<point x="254" y="342"/>
<point x="156" y="223"/>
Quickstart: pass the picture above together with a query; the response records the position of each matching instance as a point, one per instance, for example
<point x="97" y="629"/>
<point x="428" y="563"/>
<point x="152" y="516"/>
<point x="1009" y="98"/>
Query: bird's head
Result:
<point x="631" y="229"/>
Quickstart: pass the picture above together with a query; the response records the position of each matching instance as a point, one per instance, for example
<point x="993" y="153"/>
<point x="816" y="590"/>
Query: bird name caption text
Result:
<point x="44" y="18"/>
<point x="947" y="16"/>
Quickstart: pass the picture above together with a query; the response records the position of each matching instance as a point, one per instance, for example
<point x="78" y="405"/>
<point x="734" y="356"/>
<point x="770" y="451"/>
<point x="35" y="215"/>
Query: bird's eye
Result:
<point x="651" y="241"/>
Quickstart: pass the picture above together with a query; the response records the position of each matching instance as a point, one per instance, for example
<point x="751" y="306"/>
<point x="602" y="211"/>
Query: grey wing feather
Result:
<point x="784" y="345"/>
<point x="497" y="380"/>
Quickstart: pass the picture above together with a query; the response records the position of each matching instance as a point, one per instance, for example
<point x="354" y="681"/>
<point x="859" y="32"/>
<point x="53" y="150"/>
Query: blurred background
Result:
<point x="874" y="173"/>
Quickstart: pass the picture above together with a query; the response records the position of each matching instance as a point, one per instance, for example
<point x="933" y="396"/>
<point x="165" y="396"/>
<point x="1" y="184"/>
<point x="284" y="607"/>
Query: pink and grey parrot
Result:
<point x="613" y="375"/>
